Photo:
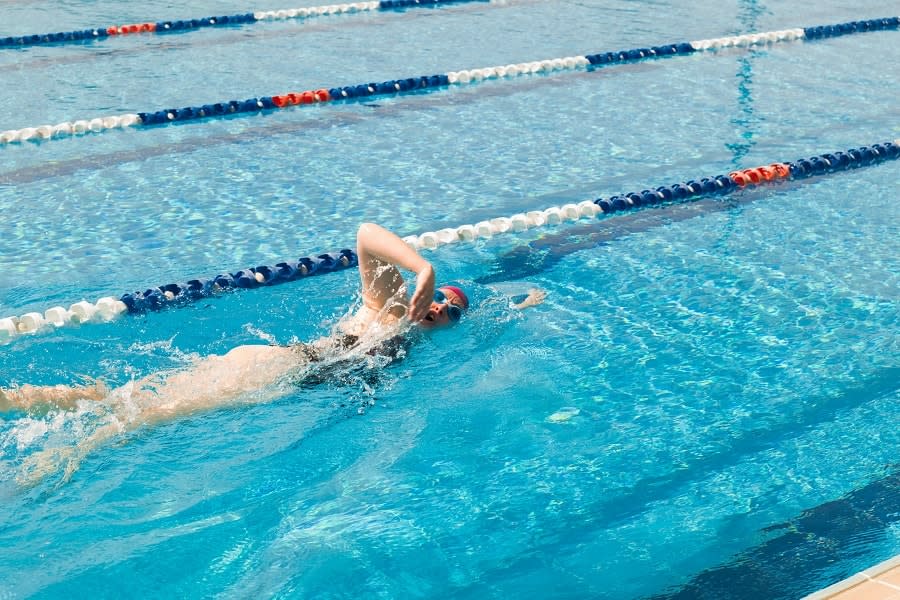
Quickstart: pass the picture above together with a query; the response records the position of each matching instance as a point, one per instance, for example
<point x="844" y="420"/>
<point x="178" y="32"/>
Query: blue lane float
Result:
<point x="826" y="31"/>
<point x="427" y="83"/>
<point x="175" y="294"/>
<point x="187" y="25"/>
<point x="182" y="293"/>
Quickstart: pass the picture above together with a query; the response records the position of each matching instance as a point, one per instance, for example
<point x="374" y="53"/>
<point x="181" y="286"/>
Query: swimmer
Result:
<point x="247" y="373"/>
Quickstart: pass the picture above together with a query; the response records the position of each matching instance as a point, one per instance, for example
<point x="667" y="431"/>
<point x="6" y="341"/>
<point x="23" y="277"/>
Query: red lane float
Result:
<point x="306" y="97"/>
<point x="757" y="175"/>
<point x="132" y="28"/>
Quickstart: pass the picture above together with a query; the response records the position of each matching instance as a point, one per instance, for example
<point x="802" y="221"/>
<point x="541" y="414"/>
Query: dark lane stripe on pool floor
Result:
<point x="818" y="539"/>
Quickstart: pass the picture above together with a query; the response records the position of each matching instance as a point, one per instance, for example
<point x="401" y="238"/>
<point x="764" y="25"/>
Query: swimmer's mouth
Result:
<point x="429" y="317"/>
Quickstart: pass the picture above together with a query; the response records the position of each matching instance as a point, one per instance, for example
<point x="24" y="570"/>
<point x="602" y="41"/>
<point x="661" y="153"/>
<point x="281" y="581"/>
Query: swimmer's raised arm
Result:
<point x="380" y="253"/>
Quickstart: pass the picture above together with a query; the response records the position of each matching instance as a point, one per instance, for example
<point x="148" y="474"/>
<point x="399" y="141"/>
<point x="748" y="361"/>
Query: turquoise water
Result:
<point x="705" y="404"/>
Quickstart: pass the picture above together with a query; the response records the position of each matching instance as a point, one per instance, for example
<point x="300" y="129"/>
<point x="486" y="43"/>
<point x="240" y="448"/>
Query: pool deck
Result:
<point x="881" y="582"/>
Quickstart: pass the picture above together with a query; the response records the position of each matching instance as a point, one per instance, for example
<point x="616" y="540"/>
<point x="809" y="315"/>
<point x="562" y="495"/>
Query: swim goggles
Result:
<point x="453" y="311"/>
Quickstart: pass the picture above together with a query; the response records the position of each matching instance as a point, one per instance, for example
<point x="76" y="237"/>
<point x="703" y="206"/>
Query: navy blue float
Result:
<point x="264" y="103"/>
<point x="825" y="31"/>
<point x="190" y="24"/>
<point x="175" y="294"/>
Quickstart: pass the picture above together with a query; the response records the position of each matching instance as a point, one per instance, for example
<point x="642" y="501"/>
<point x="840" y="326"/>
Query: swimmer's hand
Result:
<point x="421" y="300"/>
<point x="535" y="296"/>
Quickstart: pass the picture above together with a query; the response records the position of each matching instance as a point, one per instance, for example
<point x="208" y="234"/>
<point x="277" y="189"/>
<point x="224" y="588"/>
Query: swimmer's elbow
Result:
<point x="366" y="233"/>
<point x="367" y="229"/>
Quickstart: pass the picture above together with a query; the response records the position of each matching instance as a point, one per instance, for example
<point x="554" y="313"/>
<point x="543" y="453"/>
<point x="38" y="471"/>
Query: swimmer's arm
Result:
<point x="41" y="399"/>
<point x="380" y="253"/>
<point x="534" y="297"/>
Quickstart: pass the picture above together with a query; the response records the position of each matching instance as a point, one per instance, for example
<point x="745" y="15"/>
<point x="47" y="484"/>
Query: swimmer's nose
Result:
<point x="441" y="313"/>
<point x="435" y="311"/>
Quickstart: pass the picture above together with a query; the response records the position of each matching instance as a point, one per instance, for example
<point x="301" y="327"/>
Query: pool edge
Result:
<point x="869" y="578"/>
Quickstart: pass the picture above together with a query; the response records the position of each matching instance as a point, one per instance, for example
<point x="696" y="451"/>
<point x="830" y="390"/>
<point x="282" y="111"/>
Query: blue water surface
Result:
<point x="705" y="405"/>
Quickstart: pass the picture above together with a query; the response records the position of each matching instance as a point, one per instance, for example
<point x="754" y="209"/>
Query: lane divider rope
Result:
<point x="179" y="294"/>
<point x="186" y="25"/>
<point x="431" y="82"/>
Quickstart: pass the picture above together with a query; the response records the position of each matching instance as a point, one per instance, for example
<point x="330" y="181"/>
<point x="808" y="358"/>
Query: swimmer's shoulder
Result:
<point x="364" y="318"/>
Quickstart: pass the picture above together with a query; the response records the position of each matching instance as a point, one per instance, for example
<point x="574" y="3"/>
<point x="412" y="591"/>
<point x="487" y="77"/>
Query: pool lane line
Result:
<point x="173" y="295"/>
<point x="432" y="82"/>
<point x="188" y="25"/>
<point x="679" y="193"/>
<point x="108" y="308"/>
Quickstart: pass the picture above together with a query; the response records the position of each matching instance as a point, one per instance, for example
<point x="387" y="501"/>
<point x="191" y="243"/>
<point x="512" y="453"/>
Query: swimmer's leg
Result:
<point x="43" y="398"/>
<point x="68" y="458"/>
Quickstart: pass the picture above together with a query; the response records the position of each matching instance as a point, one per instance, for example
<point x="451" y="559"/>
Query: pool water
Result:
<point x="705" y="405"/>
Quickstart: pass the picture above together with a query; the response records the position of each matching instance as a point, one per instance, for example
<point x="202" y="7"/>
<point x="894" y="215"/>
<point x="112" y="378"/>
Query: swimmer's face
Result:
<point x="446" y="309"/>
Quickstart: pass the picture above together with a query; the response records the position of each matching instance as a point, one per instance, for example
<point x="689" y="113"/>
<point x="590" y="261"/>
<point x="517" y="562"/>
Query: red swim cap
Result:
<point x="458" y="292"/>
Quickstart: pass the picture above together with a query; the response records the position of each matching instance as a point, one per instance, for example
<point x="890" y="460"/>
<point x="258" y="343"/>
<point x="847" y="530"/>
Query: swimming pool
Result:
<point x="705" y="404"/>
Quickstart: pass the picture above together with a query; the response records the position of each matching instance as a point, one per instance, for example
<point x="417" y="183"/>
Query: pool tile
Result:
<point x="881" y="582"/>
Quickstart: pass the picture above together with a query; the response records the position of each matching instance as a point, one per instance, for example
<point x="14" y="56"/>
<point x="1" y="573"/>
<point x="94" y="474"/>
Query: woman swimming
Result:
<point x="247" y="373"/>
